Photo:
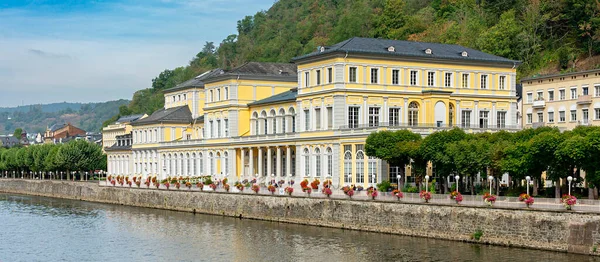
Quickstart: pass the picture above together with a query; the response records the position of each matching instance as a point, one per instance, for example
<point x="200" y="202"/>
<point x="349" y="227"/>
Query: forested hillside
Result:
<point x="548" y="36"/>
<point x="36" y="118"/>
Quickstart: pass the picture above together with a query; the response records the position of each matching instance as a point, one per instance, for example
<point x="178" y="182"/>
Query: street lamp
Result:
<point x="456" y="178"/>
<point x="398" y="178"/>
<point x="374" y="181"/>
<point x="426" y="183"/>
<point x="528" y="178"/>
<point x="569" y="178"/>
<point x="490" y="178"/>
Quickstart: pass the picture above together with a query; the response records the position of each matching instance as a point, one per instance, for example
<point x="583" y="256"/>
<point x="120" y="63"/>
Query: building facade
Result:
<point x="310" y="118"/>
<point x="563" y="100"/>
<point x="121" y="127"/>
<point x="62" y="133"/>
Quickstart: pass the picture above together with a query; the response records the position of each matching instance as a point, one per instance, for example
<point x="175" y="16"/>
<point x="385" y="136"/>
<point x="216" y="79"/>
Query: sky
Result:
<point x="101" y="50"/>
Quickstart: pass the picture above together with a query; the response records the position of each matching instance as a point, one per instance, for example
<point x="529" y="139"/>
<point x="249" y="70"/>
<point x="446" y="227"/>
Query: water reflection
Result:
<point x="48" y="229"/>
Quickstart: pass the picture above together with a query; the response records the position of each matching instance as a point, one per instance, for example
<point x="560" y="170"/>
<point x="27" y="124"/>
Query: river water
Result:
<point x="49" y="229"/>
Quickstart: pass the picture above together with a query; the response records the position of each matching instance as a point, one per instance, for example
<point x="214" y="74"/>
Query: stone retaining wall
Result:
<point x="575" y="232"/>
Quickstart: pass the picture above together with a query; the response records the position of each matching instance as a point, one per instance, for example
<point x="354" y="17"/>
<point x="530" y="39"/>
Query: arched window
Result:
<point x="178" y="97"/>
<point x="413" y="114"/>
<point x="283" y="120"/>
<point x="273" y="122"/>
<point x="372" y="170"/>
<point x="256" y="125"/>
<point x="263" y="115"/>
<point x="184" y="96"/>
<point x="200" y="163"/>
<point x="194" y="169"/>
<point x="226" y="94"/>
<point x="210" y="95"/>
<point x="318" y="162"/>
<point x="306" y="162"/>
<point x="283" y="163"/>
<point x="360" y="167"/>
<point x="218" y="94"/>
<point x="211" y="164"/>
<point x="451" y="115"/>
<point x="329" y="161"/>
<point x="348" y="167"/>
<point x="226" y="163"/>
<point x="293" y="119"/>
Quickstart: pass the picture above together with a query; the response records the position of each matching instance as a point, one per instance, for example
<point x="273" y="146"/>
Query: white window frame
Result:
<point x="573" y="92"/>
<point x="551" y="117"/>
<point x="351" y="123"/>
<point x="374" y="116"/>
<point x="416" y="78"/>
<point x="529" y="97"/>
<point x="502" y="82"/>
<point x="550" y="97"/>
<point x="306" y="79"/>
<point x="562" y="94"/>
<point x="465" y="82"/>
<point x="448" y="76"/>
<point x="375" y="71"/>
<point x="484" y="84"/>
<point x="431" y="78"/>
<point x="397" y="78"/>
<point x="350" y="69"/>
<point x="318" y="76"/>
<point x="562" y="116"/>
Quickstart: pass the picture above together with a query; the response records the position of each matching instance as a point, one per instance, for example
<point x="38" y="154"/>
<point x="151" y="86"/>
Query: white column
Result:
<point x="475" y="116"/>
<point x="278" y="172"/>
<point x="259" y="162"/>
<point x="269" y="157"/>
<point x="251" y="162"/>
<point x="405" y="118"/>
<point x="242" y="158"/>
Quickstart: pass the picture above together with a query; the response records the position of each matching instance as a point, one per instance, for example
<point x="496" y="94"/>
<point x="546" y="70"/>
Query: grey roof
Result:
<point x="9" y="141"/>
<point x="129" y="118"/>
<point x="197" y="81"/>
<point x="180" y="115"/>
<point x="282" y="71"/>
<point x="200" y="119"/>
<point x="375" y="46"/>
<point x="289" y="95"/>
<point x="538" y="77"/>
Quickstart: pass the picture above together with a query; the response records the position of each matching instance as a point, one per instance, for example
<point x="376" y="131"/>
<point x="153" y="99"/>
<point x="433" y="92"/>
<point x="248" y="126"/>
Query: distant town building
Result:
<point x="9" y="141"/>
<point x="562" y="100"/>
<point x="58" y="134"/>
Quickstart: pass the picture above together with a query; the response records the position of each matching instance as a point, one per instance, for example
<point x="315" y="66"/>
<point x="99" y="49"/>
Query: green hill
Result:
<point x="35" y="118"/>
<point x="548" y="36"/>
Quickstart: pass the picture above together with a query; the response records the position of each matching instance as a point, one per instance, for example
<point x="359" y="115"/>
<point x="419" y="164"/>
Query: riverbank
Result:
<point x="574" y="232"/>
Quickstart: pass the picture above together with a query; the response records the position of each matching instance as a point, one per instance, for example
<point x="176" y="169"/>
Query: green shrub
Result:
<point x="207" y="181"/>
<point x="410" y="189"/>
<point x="477" y="235"/>
<point x="384" y="186"/>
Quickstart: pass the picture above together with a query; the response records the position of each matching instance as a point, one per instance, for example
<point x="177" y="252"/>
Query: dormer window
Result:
<point x="428" y="51"/>
<point x="391" y="49"/>
<point x="322" y="49"/>
<point x="464" y="54"/>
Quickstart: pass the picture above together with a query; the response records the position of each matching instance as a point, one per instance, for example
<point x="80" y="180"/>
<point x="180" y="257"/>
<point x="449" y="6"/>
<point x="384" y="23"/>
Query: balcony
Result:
<point x="540" y="103"/>
<point x="584" y="100"/>
<point x="584" y="122"/>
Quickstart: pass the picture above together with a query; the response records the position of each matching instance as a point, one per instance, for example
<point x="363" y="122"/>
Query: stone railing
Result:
<point x="583" y="205"/>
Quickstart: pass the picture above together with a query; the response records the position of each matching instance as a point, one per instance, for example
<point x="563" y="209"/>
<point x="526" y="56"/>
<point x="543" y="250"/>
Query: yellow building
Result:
<point x="311" y="118"/>
<point x="121" y="127"/>
<point x="562" y="100"/>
